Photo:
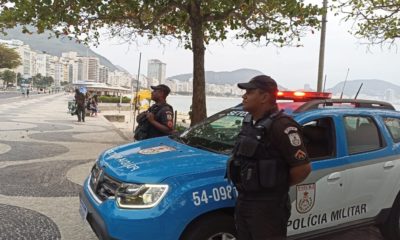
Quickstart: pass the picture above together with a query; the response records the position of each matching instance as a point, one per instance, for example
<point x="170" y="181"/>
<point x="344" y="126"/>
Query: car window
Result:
<point x="319" y="138"/>
<point x="218" y="133"/>
<point x="393" y="125"/>
<point x="362" y="134"/>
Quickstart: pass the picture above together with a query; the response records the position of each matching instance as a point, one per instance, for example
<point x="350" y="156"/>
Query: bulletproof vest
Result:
<point x="255" y="167"/>
<point x="145" y="130"/>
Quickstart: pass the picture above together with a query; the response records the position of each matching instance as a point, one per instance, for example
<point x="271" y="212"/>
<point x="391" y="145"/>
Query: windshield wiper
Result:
<point x="204" y="148"/>
<point x="179" y="139"/>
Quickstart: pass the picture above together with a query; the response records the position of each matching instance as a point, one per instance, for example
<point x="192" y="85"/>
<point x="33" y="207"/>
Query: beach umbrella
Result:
<point x="83" y="90"/>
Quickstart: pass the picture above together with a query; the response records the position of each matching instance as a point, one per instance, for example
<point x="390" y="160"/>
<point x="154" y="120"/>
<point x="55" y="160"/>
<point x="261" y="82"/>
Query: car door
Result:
<point x="371" y="163"/>
<point x="322" y="193"/>
<point x="392" y="165"/>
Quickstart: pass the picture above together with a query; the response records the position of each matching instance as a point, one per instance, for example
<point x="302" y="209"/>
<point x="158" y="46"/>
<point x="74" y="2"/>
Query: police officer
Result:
<point x="157" y="121"/>
<point x="268" y="158"/>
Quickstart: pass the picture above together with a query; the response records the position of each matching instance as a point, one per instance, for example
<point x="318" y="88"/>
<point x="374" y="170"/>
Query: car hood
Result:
<point x="153" y="160"/>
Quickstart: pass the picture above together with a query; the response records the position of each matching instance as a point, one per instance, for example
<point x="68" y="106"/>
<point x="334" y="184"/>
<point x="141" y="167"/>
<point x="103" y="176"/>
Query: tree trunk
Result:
<point x="199" y="112"/>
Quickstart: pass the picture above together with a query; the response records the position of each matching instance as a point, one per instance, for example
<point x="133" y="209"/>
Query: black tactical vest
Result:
<point x="145" y="130"/>
<point x="255" y="167"/>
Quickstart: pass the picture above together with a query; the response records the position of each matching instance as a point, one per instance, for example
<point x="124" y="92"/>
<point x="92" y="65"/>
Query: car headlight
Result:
<point x="140" y="195"/>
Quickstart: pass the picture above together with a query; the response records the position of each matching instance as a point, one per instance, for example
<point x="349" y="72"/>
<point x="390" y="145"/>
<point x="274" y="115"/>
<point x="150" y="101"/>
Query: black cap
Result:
<point x="262" y="82"/>
<point x="162" y="87"/>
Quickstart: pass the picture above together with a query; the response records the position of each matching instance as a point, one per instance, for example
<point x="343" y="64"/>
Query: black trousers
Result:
<point x="80" y="110"/>
<point x="262" y="219"/>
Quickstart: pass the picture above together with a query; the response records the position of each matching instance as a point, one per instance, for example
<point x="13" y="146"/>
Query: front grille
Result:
<point x="103" y="185"/>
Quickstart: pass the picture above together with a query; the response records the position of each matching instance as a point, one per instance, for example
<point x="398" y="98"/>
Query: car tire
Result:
<point x="214" y="226"/>
<point x="391" y="228"/>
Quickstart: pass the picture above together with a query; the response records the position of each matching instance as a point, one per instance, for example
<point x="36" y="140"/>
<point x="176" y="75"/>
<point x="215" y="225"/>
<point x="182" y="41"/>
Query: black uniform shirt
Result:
<point x="287" y="139"/>
<point x="162" y="114"/>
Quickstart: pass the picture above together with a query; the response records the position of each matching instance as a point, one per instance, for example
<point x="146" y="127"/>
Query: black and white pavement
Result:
<point x="45" y="155"/>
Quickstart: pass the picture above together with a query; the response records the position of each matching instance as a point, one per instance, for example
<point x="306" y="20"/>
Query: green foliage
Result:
<point x="8" y="77"/>
<point x="378" y="21"/>
<point x="9" y="58"/>
<point x="180" y="128"/>
<point x="195" y="23"/>
<point x="112" y="99"/>
<point x="41" y="81"/>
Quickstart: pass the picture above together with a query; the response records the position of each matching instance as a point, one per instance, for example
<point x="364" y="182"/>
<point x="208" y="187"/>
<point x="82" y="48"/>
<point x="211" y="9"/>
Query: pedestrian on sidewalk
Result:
<point x="93" y="106"/>
<point x="27" y="92"/>
<point x="80" y="105"/>
<point x="157" y="121"/>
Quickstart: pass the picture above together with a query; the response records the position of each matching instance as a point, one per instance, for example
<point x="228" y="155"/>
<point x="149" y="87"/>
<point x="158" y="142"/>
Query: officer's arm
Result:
<point x="160" y="126"/>
<point x="299" y="173"/>
<point x="289" y="140"/>
<point x="166" y="124"/>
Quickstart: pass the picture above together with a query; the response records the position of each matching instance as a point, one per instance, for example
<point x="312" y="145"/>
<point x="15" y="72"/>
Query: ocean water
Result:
<point x="214" y="104"/>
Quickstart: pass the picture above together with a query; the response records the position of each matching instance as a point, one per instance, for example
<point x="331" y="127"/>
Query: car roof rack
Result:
<point x="354" y="103"/>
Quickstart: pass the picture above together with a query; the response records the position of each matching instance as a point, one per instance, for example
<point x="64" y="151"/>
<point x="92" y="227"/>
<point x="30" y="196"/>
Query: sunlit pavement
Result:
<point x="45" y="154"/>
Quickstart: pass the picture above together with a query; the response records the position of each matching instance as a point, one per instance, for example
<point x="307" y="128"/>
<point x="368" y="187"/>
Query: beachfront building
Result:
<point x="156" y="70"/>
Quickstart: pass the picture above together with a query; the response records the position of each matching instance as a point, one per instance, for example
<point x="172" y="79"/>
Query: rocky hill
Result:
<point x="233" y="77"/>
<point x="222" y="77"/>
<point x="371" y="87"/>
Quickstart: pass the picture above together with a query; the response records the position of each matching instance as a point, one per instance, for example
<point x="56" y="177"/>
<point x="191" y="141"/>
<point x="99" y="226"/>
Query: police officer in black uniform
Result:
<point x="157" y="121"/>
<point x="268" y="158"/>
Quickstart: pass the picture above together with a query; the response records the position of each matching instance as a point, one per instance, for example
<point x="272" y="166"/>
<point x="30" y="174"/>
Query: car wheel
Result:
<point x="391" y="228"/>
<point x="218" y="226"/>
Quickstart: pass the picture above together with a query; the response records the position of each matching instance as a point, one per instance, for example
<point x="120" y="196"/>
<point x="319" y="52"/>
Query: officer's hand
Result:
<point x="150" y="116"/>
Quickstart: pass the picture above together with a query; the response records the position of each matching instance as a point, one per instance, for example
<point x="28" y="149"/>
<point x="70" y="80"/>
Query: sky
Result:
<point x="291" y="67"/>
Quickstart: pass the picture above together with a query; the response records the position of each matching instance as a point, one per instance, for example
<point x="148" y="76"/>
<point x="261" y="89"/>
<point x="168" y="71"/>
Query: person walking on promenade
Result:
<point x="27" y="92"/>
<point x="93" y="106"/>
<point x="268" y="158"/>
<point x="157" y="121"/>
<point x="80" y="105"/>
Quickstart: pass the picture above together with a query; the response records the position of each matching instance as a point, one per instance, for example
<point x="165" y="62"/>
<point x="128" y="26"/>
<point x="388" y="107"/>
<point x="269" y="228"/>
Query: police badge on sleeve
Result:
<point x="305" y="197"/>
<point x="295" y="139"/>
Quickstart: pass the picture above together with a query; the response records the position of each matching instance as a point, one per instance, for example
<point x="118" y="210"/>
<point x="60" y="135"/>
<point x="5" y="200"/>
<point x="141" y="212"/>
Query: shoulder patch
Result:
<point x="300" y="155"/>
<point x="290" y="129"/>
<point x="169" y="116"/>
<point x="295" y="139"/>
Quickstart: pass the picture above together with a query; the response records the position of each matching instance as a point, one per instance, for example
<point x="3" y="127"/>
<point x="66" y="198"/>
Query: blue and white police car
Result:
<point x="174" y="187"/>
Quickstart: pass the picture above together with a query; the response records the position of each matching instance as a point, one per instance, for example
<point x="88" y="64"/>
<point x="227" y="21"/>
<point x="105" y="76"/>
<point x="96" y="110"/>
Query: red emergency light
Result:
<point x="302" y="96"/>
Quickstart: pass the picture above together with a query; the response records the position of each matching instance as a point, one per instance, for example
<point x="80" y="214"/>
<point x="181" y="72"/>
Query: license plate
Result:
<point x="83" y="210"/>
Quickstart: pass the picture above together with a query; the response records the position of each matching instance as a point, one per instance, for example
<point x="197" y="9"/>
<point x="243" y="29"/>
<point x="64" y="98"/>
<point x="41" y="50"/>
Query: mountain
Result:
<point x="121" y="69"/>
<point x="54" y="46"/>
<point x="233" y="77"/>
<point x="371" y="87"/>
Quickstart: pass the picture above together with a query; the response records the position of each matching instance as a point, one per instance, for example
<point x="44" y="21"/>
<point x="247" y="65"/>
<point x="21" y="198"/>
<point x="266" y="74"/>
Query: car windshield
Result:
<point x="217" y="134"/>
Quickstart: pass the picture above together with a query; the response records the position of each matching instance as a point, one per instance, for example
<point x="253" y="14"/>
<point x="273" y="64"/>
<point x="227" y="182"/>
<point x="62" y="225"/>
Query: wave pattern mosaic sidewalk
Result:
<point x="45" y="154"/>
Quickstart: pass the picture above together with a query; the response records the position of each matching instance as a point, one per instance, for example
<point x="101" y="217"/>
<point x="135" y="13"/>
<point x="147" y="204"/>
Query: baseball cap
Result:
<point x="162" y="87"/>
<point x="262" y="82"/>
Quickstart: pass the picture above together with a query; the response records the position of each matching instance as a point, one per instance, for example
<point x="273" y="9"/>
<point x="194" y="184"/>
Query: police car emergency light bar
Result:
<point x="302" y="96"/>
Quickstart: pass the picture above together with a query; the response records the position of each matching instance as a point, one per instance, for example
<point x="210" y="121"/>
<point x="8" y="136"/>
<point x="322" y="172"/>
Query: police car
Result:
<point x="174" y="187"/>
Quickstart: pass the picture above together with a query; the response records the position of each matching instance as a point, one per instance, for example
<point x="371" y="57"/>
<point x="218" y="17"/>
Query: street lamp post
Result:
<point x="137" y="91"/>
<point x="322" y="46"/>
